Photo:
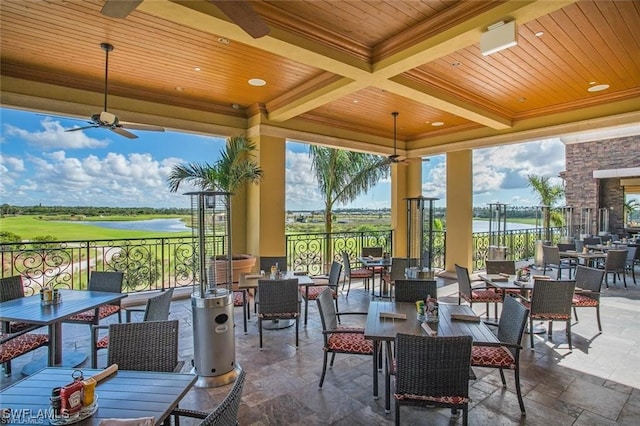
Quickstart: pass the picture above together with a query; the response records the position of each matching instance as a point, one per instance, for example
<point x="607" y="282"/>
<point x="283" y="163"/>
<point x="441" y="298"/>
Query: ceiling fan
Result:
<point x="108" y="120"/>
<point x="395" y="158"/>
<point x="238" y="11"/>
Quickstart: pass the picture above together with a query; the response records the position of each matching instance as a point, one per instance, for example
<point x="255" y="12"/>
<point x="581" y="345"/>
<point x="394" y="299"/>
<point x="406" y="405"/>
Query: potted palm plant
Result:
<point x="235" y="168"/>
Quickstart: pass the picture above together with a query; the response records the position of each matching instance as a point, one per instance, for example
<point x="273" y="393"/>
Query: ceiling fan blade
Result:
<point x="241" y="13"/>
<point x="123" y="132"/>
<point x="119" y="9"/>
<point x="138" y="126"/>
<point x="75" y="129"/>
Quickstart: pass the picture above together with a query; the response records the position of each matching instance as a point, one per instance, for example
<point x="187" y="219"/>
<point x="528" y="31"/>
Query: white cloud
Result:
<point x="54" y="136"/>
<point x="300" y="184"/>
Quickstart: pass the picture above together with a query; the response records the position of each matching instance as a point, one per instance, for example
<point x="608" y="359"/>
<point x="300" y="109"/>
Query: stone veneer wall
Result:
<point x="582" y="190"/>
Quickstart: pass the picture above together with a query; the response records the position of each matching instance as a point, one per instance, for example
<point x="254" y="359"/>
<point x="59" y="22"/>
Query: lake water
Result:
<point x="176" y="225"/>
<point x="154" y="225"/>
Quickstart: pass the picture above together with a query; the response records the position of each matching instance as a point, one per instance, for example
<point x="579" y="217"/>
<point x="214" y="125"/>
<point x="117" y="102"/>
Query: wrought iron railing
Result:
<point x="158" y="263"/>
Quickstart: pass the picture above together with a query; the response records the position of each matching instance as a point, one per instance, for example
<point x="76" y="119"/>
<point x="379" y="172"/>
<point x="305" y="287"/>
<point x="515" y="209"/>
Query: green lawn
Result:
<point x="30" y="227"/>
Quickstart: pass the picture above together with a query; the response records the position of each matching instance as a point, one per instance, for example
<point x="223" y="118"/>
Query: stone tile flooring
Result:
<point x="596" y="384"/>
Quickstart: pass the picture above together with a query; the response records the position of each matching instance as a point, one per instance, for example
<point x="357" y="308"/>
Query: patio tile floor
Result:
<point x="596" y="384"/>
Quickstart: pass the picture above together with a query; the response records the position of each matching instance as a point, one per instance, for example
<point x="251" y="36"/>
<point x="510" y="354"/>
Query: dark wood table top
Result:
<point x="249" y="281"/>
<point x="126" y="394"/>
<point x="385" y="329"/>
<point x="28" y="309"/>
<point x="581" y="255"/>
<point x="506" y="283"/>
<point x="371" y="262"/>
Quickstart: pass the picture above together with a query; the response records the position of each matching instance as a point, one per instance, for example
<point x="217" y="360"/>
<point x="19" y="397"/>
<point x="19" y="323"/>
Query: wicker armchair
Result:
<point x="396" y="272"/>
<point x="11" y="288"/>
<point x="311" y="292"/>
<point x="432" y="371"/>
<point x="551" y="258"/>
<point x="225" y="414"/>
<point x="349" y="274"/>
<point x="156" y="309"/>
<point x="501" y="267"/>
<point x="551" y="301"/>
<point x="278" y="300"/>
<point x="412" y="290"/>
<point x="587" y="293"/>
<point x="107" y="281"/>
<point x="475" y="294"/>
<point x="338" y="338"/>
<point x="17" y="344"/>
<point x="615" y="263"/>
<point x="632" y="254"/>
<point x="506" y="353"/>
<point x="144" y="346"/>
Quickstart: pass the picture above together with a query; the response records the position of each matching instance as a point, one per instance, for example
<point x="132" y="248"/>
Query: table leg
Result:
<point x="244" y="309"/>
<point x="55" y="357"/>
<point x="387" y="377"/>
<point x="375" y="369"/>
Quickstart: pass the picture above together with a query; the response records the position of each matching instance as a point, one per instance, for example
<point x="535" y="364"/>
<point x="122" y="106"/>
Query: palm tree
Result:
<point x="234" y="168"/>
<point x="344" y="175"/>
<point x="630" y="207"/>
<point x="548" y="195"/>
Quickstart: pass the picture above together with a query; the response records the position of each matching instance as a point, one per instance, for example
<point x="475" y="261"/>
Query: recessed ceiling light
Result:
<point x="223" y="40"/>
<point x="196" y="68"/>
<point x="437" y="123"/>
<point x="427" y="122"/>
<point x="592" y="83"/>
<point x="235" y="106"/>
<point x="539" y="33"/>
<point x="257" y="82"/>
<point x="598" y="88"/>
<point x="355" y="101"/>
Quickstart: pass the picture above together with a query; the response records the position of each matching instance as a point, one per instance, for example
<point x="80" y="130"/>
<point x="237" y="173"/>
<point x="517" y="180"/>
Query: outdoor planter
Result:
<point x="239" y="263"/>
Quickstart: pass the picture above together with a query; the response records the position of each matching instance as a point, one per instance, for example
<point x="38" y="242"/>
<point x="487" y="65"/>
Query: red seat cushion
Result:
<point x="546" y="316"/>
<point x="237" y="298"/>
<point x="350" y="342"/>
<point x="15" y="327"/>
<point x="89" y="316"/>
<point x="451" y="400"/>
<point x="582" y="301"/>
<point x="361" y="273"/>
<point x="21" y="345"/>
<point x="103" y="343"/>
<point x="492" y="356"/>
<point x="480" y="296"/>
<point x="314" y="291"/>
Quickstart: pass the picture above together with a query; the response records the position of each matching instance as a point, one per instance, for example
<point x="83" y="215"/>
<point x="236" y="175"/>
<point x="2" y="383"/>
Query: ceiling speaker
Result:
<point x="498" y="37"/>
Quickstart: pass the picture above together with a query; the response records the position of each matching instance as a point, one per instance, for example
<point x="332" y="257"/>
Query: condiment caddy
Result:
<point x="50" y="296"/>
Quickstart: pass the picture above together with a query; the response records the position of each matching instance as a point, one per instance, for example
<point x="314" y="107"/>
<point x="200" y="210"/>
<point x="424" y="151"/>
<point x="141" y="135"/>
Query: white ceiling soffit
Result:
<point x="601" y="134"/>
<point x="617" y="173"/>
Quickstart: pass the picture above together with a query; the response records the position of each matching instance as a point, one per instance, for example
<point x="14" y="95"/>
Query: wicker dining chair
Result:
<point x="413" y="290"/>
<point x="362" y="273"/>
<point x="551" y="258"/>
<point x="339" y="338"/>
<point x="551" y="301"/>
<point x="156" y="309"/>
<point x="11" y="288"/>
<point x="107" y="281"/>
<point x="476" y="294"/>
<point x="278" y="300"/>
<point x="13" y="345"/>
<point x="311" y="292"/>
<point x="587" y="292"/>
<point x="144" y="346"/>
<point x="500" y="267"/>
<point x="225" y="414"/>
<point x="615" y="263"/>
<point x="432" y="371"/>
<point x="631" y="261"/>
<point x="505" y="354"/>
<point x="396" y="272"/>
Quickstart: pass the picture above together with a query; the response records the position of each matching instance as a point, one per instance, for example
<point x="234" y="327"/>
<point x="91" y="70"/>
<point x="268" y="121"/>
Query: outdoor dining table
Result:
<point x="250" y="281"/>
<point x="383" y="330"/>
<point x="29" y="309"/>
<point x="380" y="264"/>
<point x="590" y="258"/>
<point x="123" y="395"/>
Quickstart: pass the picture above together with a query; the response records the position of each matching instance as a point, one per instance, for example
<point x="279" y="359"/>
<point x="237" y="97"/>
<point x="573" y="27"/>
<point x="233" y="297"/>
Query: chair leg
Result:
<point x="518" y="390"/>
<point x="397" y="412"/>
<point x="297" y="330"/>
<point x="324" y="368"/>
<point x="504" y="382"/>
<point x="306" y="307"/>
<point x="550" y="326"/>
<point x="531" y="331"/>
<point x="260" y="330"/>
<point x="569" y="334"/>
<point x="575" y="313"/>
<point x="598" y="318"/>
<point x="348" y="287"/>
<point x="465" y="415"/>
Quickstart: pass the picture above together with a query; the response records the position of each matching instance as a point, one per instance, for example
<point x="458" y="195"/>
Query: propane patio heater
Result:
<point x="420" y="235"/>
<point x="214" y="359"/>
<point x="568" y="233"/>
<point x="497" y="249"/>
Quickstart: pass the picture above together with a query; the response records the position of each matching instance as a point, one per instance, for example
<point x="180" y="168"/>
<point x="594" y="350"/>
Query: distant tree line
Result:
<point x="9" y="210"/>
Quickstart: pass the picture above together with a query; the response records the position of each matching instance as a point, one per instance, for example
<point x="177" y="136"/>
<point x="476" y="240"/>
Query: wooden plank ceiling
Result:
<point x="335" y="70"/>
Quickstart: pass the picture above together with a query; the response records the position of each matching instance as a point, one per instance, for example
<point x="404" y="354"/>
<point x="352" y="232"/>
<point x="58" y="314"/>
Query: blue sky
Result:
<point x="40" y="163"/>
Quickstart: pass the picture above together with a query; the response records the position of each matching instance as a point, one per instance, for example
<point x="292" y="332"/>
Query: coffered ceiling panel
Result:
<point x="333" y="67"/>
